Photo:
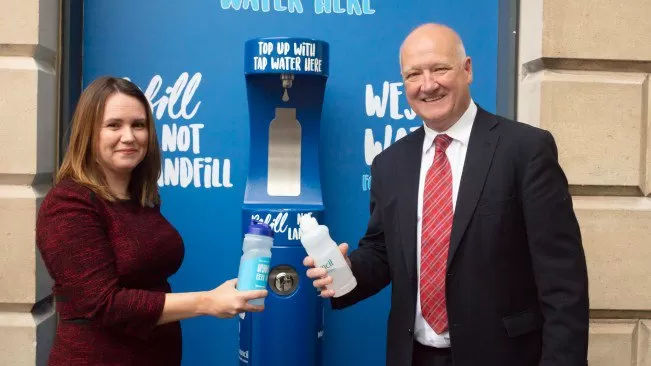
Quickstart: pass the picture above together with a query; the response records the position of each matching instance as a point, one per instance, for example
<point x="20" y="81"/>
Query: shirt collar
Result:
<point x="460" y="131"/>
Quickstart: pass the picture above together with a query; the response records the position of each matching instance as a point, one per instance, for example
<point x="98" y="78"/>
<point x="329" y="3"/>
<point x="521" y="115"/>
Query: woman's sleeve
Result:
<point x="79" y="257"/>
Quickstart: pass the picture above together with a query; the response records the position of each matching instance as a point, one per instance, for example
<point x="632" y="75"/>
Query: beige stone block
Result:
<point x="23" y="277"/>
<point x="611" y="342"/>
<point x="597" y="29"/>
<point x="531" y="36"/>
<point x="25" y="338"/>
<point x="29" y="22"/>
<point x="19" y="22"/>
<point x="27" y="116"/>
<point x="644" y="343"/>
<point x="616" y="232"/>
<point x="597" y="121"/>
<point x="48" y="26"/>
<point x="529" y="98"/>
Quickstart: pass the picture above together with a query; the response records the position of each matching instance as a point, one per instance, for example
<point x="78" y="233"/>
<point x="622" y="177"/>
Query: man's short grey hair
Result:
<point x="461" y="52"/>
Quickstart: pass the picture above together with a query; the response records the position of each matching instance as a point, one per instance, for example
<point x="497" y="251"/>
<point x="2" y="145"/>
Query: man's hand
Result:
<point x="320" y="275"/>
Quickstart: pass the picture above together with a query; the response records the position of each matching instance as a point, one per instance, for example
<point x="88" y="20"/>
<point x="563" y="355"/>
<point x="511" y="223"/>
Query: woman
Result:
<point x="108" y="248"/>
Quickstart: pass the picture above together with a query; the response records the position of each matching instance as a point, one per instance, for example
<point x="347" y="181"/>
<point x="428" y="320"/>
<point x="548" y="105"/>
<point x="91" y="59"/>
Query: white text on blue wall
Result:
<point x="350" y="7"/>
<point x="183" y="164"/>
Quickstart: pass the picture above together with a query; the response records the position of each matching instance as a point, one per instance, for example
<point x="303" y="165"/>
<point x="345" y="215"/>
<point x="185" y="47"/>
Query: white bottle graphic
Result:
<point x="284" y="164"/>
<point x="256" y="259"/>
<point x="318" y="245"/>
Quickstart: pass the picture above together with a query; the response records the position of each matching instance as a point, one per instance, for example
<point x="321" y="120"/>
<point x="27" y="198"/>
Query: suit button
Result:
<point x="411" y="332"/>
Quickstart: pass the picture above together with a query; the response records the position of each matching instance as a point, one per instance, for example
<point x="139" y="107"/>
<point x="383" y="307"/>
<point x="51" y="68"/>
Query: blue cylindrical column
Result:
<point x="285" y="81"/>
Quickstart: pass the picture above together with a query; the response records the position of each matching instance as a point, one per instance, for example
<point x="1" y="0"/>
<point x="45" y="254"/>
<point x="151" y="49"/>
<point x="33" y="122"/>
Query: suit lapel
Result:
<point x="407" y="215"/>
<point x="481" y="148"/>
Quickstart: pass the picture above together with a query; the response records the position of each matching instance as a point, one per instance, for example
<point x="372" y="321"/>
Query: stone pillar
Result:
<point x="584" y="76"/>
<point x="28" y="100"/>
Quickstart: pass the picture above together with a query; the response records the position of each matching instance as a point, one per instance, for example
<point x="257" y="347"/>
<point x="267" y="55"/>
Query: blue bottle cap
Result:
<point x="260" y="228"/>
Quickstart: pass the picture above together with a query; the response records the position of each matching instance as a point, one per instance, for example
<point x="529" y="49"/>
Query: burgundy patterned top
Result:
<point x="110" y="263"/>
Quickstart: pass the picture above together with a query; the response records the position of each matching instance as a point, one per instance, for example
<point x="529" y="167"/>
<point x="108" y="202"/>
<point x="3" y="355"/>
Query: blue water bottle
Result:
<point x="256" y="258"/>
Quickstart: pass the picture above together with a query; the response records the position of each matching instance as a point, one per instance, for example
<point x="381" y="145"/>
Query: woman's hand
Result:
<point x="226" y="301"/>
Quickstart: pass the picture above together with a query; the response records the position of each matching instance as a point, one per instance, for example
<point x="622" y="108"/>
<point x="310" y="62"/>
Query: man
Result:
<point x="472" y="223"/>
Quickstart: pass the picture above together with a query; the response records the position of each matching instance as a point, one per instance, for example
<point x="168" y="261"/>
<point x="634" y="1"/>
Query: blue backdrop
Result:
<point x="189" y="56"/>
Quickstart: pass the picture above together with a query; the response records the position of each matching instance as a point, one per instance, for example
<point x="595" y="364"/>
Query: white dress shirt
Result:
<point x="456" y="153"/>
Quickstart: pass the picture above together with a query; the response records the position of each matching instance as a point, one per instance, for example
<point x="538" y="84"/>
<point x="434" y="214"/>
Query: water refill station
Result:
<point x="285" y="84"/>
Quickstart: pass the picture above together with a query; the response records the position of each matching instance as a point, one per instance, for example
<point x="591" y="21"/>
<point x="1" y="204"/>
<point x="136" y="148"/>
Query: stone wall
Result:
<point x="28" y="100"/>
<point x="584" y="76"/>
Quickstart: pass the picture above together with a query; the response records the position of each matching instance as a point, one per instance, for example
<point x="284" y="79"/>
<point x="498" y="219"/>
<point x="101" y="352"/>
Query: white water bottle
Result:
<point x="256" y="259"/>
<point x="318" y="245"/>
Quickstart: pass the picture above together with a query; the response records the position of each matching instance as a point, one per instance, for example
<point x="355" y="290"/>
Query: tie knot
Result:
<point x="441" y="142"/>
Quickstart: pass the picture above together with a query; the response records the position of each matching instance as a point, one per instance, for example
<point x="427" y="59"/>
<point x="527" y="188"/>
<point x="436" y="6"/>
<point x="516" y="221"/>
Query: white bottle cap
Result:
<point x="307" y="223"/>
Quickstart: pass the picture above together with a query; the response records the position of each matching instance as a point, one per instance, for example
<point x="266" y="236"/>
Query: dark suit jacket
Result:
<point x="517" y="286"/>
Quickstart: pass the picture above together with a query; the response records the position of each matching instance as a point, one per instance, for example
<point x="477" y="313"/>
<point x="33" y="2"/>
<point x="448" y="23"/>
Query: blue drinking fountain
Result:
<point x="285" y="83"/>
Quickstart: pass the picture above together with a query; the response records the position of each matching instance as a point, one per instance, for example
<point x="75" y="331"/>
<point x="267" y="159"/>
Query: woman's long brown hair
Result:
<point x="81" y="161"/>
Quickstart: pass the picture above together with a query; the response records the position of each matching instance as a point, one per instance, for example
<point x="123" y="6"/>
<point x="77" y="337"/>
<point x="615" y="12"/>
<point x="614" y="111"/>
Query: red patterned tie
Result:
<point x="435" y="236"/>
